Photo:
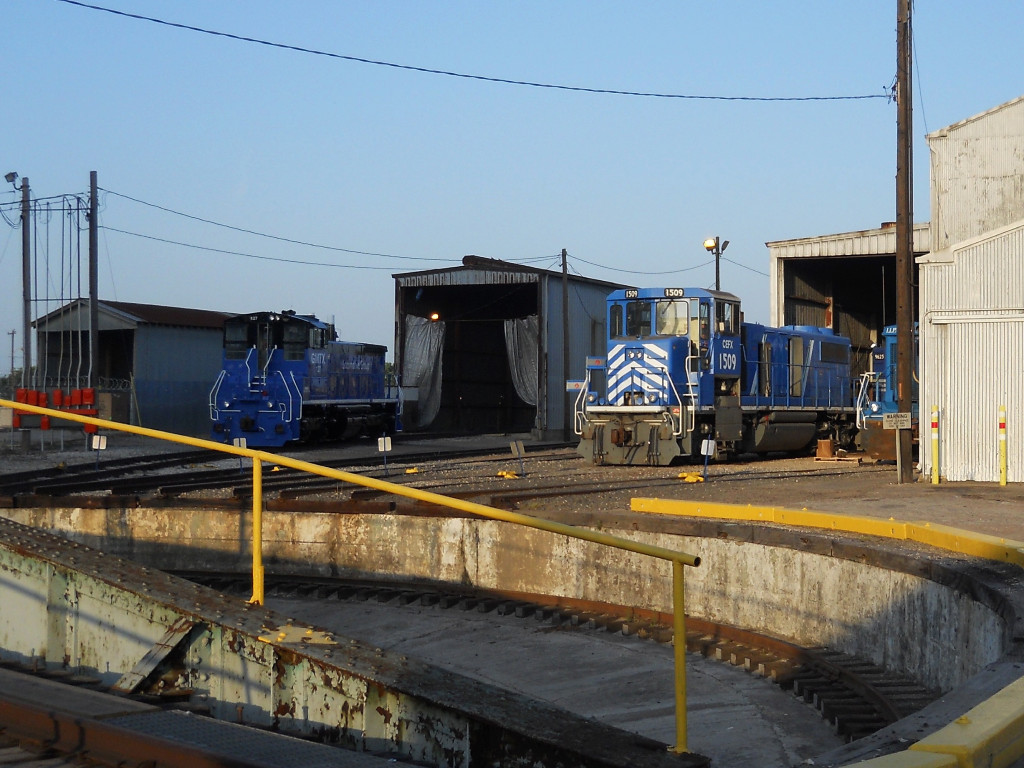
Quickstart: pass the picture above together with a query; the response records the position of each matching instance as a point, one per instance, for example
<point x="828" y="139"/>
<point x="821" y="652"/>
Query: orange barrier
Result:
<point x="80" y="401"/>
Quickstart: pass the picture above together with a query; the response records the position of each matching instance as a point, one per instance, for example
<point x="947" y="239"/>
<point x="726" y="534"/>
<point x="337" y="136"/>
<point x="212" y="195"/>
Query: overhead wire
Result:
<point x="463" y="75"/>
<point x="269" y="236"/>
<point x="241" y="253"/>
<point x="640" y="272"/>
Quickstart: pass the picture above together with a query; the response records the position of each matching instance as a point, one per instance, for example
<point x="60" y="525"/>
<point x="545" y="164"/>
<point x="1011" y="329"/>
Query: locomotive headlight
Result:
<point x="875" y="407"/>
<point x="652" y="397"/>
<point x="592" y="397"/>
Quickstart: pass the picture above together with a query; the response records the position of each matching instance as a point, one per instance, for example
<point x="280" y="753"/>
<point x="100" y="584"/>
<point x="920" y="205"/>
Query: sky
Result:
<point x="244" y="176"/>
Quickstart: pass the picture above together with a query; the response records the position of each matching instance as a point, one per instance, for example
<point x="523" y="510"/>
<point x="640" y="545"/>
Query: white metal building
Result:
<point x="972" y="297"/>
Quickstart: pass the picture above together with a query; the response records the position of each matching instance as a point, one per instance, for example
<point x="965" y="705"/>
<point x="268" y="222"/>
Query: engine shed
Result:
<point x="845" y="281"/>
<point x="487" y="347"/>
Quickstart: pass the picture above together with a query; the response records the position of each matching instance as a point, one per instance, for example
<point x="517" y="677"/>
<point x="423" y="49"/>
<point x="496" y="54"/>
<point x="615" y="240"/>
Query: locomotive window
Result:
<point x="705" y="319"/>
<point x="638" y="319"/>
<point x="671" y="317"/>
<point x="294" y="341"/>
<point x="834" y="353"/>
<point x="726" y="315"/>
<point x="796" y="367"/>
<point x="236" y="340"/>
<point x="615" y="321"/>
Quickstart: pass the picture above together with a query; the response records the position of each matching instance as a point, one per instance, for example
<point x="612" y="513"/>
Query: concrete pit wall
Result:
<point x="139" y="630"/>
<point x="917" y="611"/>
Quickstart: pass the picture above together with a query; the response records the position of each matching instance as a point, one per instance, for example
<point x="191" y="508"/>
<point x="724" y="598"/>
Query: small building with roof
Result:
<point x="488" y="346"/>
<point x="156" y="363"/>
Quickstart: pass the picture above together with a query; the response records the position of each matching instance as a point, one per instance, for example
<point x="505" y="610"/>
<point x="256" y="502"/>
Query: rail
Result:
<point x="678" y="559"/>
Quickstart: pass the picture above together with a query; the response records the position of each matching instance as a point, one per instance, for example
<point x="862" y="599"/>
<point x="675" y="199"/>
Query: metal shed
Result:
<point x="156" y="363"/>
<point x="976" y="180"/>
<point x="480" y="347"/>
<point x="972" y="297"/>
<point x="972" y="355"/>
<point x="845" y="281"/>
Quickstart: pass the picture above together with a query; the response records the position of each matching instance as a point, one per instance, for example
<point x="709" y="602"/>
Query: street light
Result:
<point x="717" y="247"/>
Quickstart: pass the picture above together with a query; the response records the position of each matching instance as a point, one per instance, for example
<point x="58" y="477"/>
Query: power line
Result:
<point x="240" y="253"/>
<point x="271" y="237"/>
<point x="463" y="75"/>
<point x="744" y="266"/>
<point x="638" y="272"/>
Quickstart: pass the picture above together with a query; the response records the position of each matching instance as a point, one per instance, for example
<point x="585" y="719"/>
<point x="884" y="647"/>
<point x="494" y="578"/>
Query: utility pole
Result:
<point x="565" y="346"/>
<point x="11" y="333"/>
<point x="26" y="281"/>
<point x="904" y="232"/>
<point x="94" y="302"/>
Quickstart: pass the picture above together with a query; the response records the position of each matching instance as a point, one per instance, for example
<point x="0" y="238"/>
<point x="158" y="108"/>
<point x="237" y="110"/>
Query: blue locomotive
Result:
<point x="877" y="396"/>
<point x="685" y="377"/>
<point x="287" y="378"/>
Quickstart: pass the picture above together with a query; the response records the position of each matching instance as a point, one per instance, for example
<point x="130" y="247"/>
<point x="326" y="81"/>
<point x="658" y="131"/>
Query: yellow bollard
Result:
<point x="679" y="650"/>
<point x="257" y="531"/>
<point x="935" y="445"/>
<point x="1002" y="445"/>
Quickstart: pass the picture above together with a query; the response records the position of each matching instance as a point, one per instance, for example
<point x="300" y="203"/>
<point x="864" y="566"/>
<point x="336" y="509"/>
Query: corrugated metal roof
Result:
<point x="866" y="242"/>
<point x="974" y="118"/>
<point x="477" y="270"/>
<point x="155" y="314"/>
<point x="146" y="314"/>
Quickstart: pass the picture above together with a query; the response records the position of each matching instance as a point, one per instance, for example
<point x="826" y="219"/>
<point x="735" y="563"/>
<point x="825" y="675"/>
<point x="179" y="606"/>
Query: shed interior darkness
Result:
<point x="477" y="393"/>
<point x="859" y="291"/>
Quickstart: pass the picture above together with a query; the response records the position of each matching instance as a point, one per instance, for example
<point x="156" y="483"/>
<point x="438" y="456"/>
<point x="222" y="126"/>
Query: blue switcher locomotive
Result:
<point x="686" y="377"/>
<point x="287" y="378"/>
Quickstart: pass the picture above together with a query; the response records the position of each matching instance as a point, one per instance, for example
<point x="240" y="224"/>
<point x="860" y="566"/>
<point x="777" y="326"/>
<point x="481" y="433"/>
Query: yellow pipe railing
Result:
<point x="678" y="559"/>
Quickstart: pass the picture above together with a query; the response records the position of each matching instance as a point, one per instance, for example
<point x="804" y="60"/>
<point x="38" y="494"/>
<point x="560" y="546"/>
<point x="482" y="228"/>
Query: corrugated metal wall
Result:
<point x="972" y="355"/>
<point x="174" y="371"/>
<point x="977" y="174"/>
<point x="586" y="338"/>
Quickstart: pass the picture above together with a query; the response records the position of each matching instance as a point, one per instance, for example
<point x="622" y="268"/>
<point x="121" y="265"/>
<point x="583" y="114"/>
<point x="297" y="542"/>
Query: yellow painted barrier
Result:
<point x="932" y="534"/>
<point x="909" y="759"/>
<point x="991" y="735"/>
<point x="678" y="559"/>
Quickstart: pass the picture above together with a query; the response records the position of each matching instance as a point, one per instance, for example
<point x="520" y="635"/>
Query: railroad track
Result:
<point x="855" y="696"/>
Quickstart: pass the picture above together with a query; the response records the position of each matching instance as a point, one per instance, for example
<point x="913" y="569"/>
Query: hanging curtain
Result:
<point x="421" y="364"/>
<point x="522" y="348"/>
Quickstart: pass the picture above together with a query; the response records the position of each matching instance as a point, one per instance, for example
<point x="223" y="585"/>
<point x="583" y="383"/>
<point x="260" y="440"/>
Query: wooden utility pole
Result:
<point x="565" y="346"/>
<point x="904" y="232"/>
<point x="94" y="302"/>
<point x="26" y="281"/>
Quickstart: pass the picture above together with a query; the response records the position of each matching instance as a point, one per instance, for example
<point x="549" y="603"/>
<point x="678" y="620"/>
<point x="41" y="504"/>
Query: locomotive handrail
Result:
<point x="214" y="392"/>
<point x="580" y="406"/>
<point x="270" y="358"/>
<point x="676" y="432"/>
<point x="248" y="368"/>
<point x="678" y="559"/>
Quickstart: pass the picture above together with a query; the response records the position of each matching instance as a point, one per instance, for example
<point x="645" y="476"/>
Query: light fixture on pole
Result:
<point x="716" y="246"/>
